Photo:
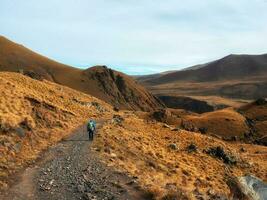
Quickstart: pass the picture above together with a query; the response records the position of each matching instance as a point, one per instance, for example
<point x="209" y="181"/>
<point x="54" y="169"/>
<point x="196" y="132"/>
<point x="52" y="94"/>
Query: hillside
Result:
<point x="177" y="164"/>
<point x="247" y="123"/>
<point x="148" y="77"/>
<point x="35" y="114"/>
<point x="161" y="160"/>
<point x="225" y="123"/>
<point x="231" y="67"/>
<point x="256" y="115"/>
<point x="234" y="76"/>
<point x="113" y="87"/>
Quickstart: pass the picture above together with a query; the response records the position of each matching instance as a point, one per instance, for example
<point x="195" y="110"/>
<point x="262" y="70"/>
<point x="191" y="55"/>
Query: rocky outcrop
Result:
<point x="121" y="90"/>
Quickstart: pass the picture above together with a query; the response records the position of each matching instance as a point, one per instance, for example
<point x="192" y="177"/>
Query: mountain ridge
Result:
<point x="240" y="65"/>
<point x="17" y="58"/>
<point x="233" y="76"/>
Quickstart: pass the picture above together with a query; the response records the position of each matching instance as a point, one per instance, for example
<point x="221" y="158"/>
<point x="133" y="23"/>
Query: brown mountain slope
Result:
<point x="227" y="68"/>
<point x="234" y="76"/>
<point x="15" y="57"/>
<point x="113" y="87"/>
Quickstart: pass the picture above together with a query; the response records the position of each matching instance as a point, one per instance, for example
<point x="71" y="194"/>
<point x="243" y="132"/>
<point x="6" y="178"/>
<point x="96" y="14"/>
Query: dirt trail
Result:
<point x="71" y="170"/>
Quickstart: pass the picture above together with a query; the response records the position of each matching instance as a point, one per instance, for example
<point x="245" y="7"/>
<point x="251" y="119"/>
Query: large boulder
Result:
<point x="253" y="187"/>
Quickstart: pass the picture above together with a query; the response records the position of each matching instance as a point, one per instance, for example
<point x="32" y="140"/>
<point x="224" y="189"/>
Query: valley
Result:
<point x="230" y="81"/>
<point x="192" y="134"/>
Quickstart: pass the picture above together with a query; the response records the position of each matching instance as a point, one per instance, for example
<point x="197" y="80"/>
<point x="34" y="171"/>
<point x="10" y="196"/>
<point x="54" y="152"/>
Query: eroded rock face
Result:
<point x="121" y="90"/>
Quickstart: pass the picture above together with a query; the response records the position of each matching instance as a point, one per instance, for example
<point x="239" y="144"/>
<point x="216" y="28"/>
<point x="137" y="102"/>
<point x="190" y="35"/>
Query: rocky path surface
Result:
<point x="71" y="170"/>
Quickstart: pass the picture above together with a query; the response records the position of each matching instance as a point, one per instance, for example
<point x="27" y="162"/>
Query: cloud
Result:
<point x="136" y="36"/>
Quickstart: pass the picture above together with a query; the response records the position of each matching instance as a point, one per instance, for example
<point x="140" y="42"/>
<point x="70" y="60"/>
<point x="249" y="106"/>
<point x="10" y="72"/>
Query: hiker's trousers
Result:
<point x="91" y="134"/>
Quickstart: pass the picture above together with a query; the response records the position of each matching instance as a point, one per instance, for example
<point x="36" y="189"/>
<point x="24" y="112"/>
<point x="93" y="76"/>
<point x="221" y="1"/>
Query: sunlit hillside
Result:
<point x="36" y="114"/>
<point x="177" y="164"/>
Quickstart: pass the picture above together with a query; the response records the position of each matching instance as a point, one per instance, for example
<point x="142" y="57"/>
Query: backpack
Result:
<point x="91" y="126"/>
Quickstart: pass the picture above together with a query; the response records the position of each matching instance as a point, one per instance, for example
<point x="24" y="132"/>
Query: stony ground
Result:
<point x="72" y="170"/>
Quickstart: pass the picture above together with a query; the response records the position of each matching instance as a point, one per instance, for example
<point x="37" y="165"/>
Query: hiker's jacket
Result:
<point x="91" y="126"/>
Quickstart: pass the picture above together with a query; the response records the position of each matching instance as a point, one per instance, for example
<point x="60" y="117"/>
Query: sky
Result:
<point x="136" y="36"/>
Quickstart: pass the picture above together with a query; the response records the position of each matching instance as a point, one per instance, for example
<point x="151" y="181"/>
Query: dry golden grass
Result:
<point x="36" y="114"/>
<point x="254" y="111"/>
<point x="142" y="149"/>
<point x="257" y="114"/>
<point x="225" y="123"/>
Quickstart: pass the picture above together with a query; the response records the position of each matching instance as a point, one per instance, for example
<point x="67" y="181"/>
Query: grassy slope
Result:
<point x="248" y="122"/>
<point x="257" y="114"/>
<point x="35" y="114"/>
<point x="225" y="123"/>
<point x="232" y="67"/>
<point x="142" y="149"/>
<point x="46" y="112"/>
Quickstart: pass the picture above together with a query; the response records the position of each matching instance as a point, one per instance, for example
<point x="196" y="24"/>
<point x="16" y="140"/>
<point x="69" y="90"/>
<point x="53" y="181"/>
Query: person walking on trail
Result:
<point x="91" y="128"/>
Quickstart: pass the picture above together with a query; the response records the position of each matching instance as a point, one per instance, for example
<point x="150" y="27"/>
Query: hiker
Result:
<point x="91" y="128"/>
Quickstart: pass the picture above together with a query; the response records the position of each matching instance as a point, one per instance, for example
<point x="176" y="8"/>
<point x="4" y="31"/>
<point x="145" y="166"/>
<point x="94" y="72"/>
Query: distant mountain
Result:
<point x="228" y="68"/>
<point x="195" y="67"/>
<point x="234" y="76"/>
<point x="111" y="86"/>
<point x="148" y="77"/>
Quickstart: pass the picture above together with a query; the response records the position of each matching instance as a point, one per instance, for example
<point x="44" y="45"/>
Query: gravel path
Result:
<point x="71" y="170"/>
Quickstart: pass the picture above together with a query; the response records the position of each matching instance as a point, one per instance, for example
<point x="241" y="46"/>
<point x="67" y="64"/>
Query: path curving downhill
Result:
<point x="71" y="170"/>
